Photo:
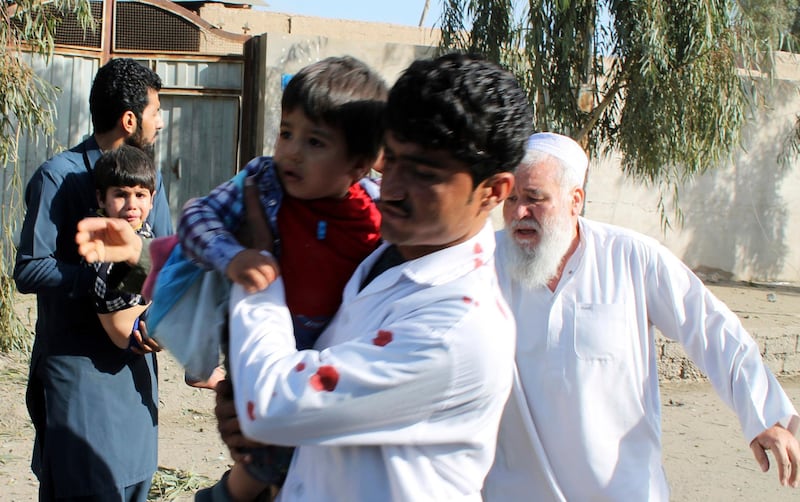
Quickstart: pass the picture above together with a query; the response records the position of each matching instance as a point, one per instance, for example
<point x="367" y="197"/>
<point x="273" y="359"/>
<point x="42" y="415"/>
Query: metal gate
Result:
<point x="202" y="69"/>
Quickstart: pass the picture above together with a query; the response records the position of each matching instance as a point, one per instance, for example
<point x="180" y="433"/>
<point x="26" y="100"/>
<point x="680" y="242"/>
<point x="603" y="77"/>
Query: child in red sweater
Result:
<point x="319" y="209"/>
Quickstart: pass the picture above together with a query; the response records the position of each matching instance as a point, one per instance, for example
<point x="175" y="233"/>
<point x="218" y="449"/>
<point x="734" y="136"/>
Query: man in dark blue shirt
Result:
<point x="94" y="406"/>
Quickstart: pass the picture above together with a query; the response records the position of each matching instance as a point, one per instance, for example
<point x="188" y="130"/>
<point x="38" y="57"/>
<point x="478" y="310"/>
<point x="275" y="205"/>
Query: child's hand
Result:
<point x="140" y="343"/>
<point x="253" y="270"/>
<point x="108" y="239"/>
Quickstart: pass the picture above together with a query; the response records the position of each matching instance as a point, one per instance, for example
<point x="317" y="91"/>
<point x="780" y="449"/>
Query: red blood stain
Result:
<point x="325" y="379"/>
<point x="251" y="410"/>
<point x="383" y="338"/>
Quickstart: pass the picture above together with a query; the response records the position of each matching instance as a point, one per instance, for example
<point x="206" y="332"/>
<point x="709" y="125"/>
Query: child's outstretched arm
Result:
<point x="119" y="324"/>
<point x="254" y="268"/>
<point x="211" y="228"/>
<point x="206" y="226"/>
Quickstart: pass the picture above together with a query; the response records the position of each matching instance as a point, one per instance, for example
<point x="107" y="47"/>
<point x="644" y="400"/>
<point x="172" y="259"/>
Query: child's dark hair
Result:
<point x="126" y="166"/>
<point x="121" y="85"/>
<point x="345" y="93"/>
<point x="465" y="105"/>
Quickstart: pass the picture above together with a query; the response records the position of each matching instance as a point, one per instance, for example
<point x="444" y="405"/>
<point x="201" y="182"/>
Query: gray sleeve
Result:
<point x="132" y="281"/>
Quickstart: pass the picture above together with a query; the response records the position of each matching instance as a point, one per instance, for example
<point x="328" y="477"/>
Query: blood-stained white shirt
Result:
<point x="401" y="399"/>
<point x="584" y="418"/>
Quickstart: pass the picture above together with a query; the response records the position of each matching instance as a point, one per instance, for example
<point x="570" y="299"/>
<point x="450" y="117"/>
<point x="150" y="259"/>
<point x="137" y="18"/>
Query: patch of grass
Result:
<point x="169" y="484"/>
<point x="13" y="368"/>
<point x="15" y="335"/>
<point x="6" y="458"/>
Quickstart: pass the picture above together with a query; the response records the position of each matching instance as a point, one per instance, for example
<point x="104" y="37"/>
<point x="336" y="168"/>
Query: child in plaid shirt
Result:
<point x="125" y="181"/>
<point x="319" y="211"/>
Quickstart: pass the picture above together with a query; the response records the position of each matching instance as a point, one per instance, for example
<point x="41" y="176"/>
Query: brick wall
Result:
<point x="770" y="314"/>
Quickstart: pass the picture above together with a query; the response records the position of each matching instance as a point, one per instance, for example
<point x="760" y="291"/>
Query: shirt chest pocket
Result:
<point x="600" y="331"/>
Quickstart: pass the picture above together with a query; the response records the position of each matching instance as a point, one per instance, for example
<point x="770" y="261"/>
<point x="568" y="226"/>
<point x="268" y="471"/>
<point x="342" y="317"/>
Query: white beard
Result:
<point x="534" y="266"/>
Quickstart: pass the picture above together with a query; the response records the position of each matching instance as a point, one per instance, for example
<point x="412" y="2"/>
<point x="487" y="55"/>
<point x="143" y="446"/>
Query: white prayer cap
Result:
<point x="563" y="148"/>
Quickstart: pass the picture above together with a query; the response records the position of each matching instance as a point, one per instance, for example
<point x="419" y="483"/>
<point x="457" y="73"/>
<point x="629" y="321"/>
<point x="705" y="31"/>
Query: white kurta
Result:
<point x="402" y="399"/>
<point x="584" y="418"/>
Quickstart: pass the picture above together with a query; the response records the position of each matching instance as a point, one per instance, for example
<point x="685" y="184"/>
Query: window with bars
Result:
<point x="143" y="27"/>
<point x="140" y="26"/>
<point x="70" y="32"/>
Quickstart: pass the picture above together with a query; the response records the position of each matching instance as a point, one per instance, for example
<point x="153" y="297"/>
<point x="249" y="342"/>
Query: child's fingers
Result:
<point x="258" y="278"/>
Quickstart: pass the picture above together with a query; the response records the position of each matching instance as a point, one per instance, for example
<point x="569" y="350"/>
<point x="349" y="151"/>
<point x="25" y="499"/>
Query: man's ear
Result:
<point x="362" y="167"/>
<point x="100" y="202"/>
<point x="495" y="189"/>
<point x="578" y="198"/>
<point x="129" y="122"/>
<point x="379" y="161"/>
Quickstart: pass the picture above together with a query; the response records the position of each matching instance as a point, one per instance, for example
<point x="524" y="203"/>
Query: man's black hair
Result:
<point x="465" y="105"/>
<point x="126" y="166"/>
<point x="345" y="93"/>
<point x="121" y="85"/>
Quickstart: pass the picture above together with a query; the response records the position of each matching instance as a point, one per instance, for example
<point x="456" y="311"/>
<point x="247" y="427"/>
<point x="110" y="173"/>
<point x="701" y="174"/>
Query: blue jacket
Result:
<point x="86" y="397"/>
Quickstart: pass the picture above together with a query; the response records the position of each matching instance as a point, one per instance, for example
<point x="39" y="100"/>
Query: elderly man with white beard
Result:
<point x="584" y="420"/>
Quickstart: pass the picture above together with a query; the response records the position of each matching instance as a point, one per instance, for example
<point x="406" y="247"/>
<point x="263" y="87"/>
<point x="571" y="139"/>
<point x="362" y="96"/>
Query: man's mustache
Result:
<point x="525" y="224"/>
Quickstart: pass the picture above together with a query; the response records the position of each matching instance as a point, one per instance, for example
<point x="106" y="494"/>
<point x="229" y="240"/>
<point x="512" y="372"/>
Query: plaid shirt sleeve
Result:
<point x="108" y="299"/>
<point x="207" y="224"/>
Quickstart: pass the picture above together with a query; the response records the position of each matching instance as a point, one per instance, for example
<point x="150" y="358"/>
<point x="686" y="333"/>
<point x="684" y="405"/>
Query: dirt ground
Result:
<point x="705" y="456"/>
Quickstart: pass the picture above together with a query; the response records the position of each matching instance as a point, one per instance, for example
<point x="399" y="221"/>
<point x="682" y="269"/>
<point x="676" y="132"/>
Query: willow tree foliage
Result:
<point x="775" y="23"/>
<point x="25" y="107"/>
<point x="659" y="81"/>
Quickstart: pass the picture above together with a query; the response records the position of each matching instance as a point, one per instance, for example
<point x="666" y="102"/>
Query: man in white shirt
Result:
<point x="402" y="395"/>
<point x="584" y="421"/>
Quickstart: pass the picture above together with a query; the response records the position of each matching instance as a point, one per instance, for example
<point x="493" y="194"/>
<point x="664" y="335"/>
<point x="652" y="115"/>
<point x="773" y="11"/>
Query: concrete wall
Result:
<point x="770" y="314"/>
<point x="255" y="22"/>
<point x="778" y="350"/>
<point x="742" y="218"/>
<point x="281" y="55"/>
<point x="741" y="223"/>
